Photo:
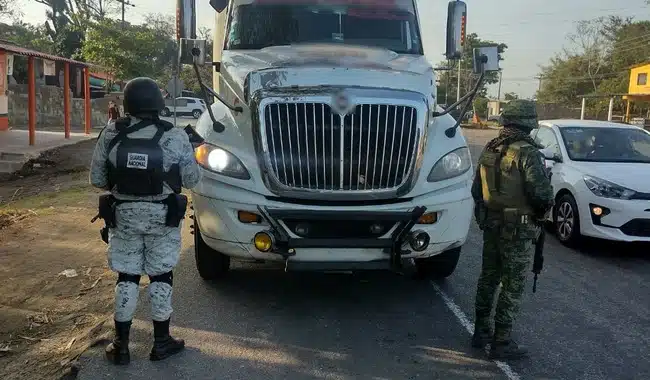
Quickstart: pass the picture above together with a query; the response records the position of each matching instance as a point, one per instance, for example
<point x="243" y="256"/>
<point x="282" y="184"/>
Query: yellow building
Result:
<point x="638" y="87"/>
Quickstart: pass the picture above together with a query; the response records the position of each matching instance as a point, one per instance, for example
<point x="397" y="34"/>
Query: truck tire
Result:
<point x="439" y="266"/>
<point x="211" y="264"/>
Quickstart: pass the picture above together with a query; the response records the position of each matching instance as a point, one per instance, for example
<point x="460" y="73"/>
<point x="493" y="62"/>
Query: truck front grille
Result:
<point x="310" y="147"/>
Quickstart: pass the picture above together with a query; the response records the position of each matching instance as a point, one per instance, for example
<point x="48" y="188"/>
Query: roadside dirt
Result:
<point x="57" y="291"/>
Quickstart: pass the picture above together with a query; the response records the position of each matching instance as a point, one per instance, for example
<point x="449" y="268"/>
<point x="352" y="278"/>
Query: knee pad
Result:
<point x="125" y="277"/>
<point x="167" y="278"/>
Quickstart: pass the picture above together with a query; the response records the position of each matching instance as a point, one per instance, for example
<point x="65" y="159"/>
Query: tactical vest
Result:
<point x="502" y="181"/>
<point x="138" y="170"/>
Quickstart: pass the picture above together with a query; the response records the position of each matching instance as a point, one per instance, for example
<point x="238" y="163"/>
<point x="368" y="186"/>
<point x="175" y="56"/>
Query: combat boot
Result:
<point x="481" y="337"/>
<point x="164" y="345"/>
<point x="117" y="352"/>
<point x="508" y="349"/>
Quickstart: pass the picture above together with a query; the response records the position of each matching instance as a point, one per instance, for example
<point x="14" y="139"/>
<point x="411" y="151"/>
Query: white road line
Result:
<point x="469" y="326"/>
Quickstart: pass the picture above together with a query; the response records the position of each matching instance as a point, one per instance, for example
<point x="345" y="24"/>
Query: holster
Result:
<point x="107" y="209"/>
<point x="107" y="213"/>
<point x="176" y="208"/>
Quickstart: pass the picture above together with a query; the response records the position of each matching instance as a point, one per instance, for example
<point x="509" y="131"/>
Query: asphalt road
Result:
<point x="590" y="319"/>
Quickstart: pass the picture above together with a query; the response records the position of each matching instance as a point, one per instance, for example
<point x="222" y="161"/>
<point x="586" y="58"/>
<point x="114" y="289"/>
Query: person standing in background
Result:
<point x="113" y="111"/>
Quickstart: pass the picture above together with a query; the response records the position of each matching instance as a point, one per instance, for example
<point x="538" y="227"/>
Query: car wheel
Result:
<point x="165" y="112"/>
<point x="196" y="114"/>
<point x="211" y="264"/>
<point x="566" y="220"/>
<point x="439" y="266"/>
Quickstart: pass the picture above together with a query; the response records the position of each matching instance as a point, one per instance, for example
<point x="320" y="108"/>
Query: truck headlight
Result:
<point x="450" y="165"/>
<point x="220" y="161"/>
<point x="606" y="189"/>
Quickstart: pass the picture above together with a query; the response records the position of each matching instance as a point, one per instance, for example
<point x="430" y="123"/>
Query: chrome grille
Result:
<point x="311" y="147"/>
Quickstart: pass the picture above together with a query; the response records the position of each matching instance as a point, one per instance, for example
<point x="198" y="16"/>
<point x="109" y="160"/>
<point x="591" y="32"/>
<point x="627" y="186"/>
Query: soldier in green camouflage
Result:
<point x="512" y="193"/>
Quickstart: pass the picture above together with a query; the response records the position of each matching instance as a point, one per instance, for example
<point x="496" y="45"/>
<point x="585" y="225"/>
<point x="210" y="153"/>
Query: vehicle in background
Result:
<point x="600" y="175"/>
<point x="184" y="107"/>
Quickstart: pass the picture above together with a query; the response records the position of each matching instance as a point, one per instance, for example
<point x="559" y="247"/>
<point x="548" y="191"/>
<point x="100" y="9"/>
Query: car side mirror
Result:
<point x="550" y="155"/>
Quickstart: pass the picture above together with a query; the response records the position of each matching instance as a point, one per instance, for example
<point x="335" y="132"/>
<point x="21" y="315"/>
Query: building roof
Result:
<point x="639" y="65"/>
<point x="33" y="53"/>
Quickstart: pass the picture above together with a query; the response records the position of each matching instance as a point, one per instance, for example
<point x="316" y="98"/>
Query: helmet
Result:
<point x="142" y="96"/>
<point x="519" y="113"/>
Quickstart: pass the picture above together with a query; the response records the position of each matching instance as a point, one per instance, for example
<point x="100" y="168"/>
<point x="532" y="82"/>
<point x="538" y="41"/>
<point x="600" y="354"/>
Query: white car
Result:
<point x="184" y="107"/>
<point x="601" y="178"/>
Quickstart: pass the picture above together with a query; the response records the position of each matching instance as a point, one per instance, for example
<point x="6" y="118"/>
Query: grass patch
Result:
<point x="79" y="196"/>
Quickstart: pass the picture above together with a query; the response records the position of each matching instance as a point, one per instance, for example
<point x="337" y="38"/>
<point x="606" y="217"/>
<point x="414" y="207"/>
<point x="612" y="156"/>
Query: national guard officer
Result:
<point x="143" y="161"/>
<point x="512" y="193"/>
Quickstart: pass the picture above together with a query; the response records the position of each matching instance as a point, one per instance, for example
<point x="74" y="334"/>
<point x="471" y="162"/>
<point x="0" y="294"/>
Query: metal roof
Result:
<point x="33" y="53"/>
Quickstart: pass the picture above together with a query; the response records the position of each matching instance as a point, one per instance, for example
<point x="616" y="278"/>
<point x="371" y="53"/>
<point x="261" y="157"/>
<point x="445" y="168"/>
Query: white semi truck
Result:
<point x="326" y="149"/>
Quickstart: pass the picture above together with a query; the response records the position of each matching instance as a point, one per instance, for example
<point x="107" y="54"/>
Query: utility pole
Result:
<point x="458" y="85"/>
<point x="539" y="87"/>
<point x="499" y="92"/>
<point x="124" y="4"/>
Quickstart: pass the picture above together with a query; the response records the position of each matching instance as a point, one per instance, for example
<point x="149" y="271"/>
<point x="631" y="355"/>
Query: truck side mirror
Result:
<point x="185" y="19"/>
<point x="485" y="59"/>
<point x="192" y="51"/>
<point x="456" y="23"/>
<point x="219" y="5"/>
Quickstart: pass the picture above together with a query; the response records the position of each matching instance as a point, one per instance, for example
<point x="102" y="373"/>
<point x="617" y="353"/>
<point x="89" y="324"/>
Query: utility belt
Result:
<point x="176" y="208"/>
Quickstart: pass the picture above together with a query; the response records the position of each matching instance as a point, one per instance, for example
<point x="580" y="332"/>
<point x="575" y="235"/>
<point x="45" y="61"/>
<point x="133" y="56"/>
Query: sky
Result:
<point x="534" y="30"/>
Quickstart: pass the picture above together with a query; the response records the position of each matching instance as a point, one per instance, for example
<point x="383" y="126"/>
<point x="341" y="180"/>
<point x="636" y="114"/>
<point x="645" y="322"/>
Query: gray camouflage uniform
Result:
<point x="142" y="243"/>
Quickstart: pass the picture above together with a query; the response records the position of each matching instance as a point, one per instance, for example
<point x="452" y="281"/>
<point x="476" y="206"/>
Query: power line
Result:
<point x="124" y="4"/>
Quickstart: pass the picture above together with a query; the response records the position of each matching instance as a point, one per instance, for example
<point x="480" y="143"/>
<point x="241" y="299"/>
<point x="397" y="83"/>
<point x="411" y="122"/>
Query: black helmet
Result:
<point x="142" y="96"/>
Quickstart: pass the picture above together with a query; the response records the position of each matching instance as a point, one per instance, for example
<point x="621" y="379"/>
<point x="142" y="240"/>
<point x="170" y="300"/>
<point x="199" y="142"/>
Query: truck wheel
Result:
<point x="211" y="264"/>
<point x="439" y="266"/>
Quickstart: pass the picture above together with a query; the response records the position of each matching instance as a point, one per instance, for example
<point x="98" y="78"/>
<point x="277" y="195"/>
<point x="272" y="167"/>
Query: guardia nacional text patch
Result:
<point x="137" y="161"/>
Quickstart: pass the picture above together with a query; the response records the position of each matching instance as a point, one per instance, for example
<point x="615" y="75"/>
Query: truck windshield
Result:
<point x="388" y="24"/>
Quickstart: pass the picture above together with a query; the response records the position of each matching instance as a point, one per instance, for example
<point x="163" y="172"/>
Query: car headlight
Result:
<point x="606" y="189"/>
<point x="451" y="165"/>
<point x="220" y="161"/>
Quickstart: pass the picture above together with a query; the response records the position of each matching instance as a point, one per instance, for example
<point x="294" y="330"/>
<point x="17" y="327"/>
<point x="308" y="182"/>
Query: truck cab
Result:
<point x="326" y="149"/>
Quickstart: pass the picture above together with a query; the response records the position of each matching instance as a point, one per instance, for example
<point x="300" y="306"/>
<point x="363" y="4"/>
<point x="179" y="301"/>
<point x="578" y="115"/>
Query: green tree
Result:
<point x="481" y="107"/>
<point x="510" y="96"/>
<point x="597" y="63"/>
<point x="136" y="50"/>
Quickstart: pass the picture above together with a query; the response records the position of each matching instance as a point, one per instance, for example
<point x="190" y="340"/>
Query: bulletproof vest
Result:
<point x="502" y="181"/>
<point x="138" y="169"/>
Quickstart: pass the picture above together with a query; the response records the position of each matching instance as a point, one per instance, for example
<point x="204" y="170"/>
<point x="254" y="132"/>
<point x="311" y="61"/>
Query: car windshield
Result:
<point x="603" y="144"/>
<point x="389" y="24"/>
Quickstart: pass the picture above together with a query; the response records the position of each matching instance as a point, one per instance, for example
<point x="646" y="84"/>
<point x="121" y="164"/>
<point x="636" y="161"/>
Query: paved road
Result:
<point x="589" y="319"/>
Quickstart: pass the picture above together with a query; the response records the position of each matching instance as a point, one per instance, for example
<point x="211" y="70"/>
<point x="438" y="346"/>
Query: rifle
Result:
<point x="538" y="262"/>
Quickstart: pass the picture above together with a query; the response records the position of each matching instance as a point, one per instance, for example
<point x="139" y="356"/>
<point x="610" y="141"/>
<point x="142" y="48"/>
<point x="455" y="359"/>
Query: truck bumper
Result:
<point x="222" y="230"/>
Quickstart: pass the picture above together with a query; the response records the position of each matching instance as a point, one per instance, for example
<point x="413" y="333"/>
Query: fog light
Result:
<point x="428" y="218"/>
<point x="263" y="241"/>
<point x="376" y="228"/>
<point x="302" y="230"/>
<point x="419" y="240"/>
<point x="597" y="211"/>
<point x="248" y="217"/>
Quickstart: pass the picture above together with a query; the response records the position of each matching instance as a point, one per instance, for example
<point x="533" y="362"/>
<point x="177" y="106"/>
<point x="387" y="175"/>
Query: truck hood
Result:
<point x="324" y="64"/>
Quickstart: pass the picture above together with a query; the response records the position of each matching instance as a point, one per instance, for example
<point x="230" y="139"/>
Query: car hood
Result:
<point x="307" y="65"/>
<point x="627" y="174"/>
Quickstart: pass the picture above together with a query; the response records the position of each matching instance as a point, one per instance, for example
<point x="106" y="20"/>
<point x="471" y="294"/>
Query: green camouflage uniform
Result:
<point x="512" y="193"/>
